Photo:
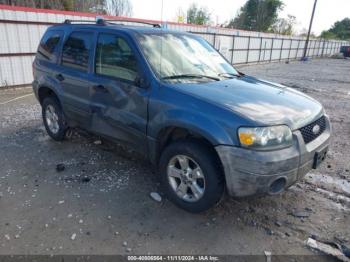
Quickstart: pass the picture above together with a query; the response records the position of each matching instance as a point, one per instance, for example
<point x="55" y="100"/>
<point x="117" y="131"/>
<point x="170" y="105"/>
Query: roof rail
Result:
<point x="101" y="21"/>
<point x="68" y="21"/>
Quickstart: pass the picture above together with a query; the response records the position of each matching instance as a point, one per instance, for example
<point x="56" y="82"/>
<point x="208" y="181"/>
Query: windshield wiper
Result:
<point x="229" y="75"/>
<point x="190" y="76"/>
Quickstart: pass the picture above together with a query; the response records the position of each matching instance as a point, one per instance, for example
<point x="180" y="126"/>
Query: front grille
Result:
<point x="308" y="134"/>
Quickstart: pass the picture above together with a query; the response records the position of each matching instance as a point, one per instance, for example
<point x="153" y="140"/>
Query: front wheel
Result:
<point x="53" y="118"/>
<point x="191" y="175"/>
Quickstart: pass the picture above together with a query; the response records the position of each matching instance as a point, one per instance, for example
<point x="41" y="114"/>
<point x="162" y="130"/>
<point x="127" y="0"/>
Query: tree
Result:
<point x="328" y="35"/>
<point x="303" y="33"/>
<point x="119" y="7"/>
<point x="340" y="30"/>
<point x="257" y="15"/>
<point x="96" y="6"/>
<point x="180" y="15"/>
<point x="284" y="26"/>
<point x="198" y="15"/>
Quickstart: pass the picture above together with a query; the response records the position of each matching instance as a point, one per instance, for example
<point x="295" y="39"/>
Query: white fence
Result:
<point x="21" y="29"/>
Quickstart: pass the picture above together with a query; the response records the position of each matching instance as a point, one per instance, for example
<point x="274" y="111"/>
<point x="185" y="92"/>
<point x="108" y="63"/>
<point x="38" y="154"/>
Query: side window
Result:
<point x="115" y="58"/>
<point x="48" y="44"/>
<point x="76" y="50"/>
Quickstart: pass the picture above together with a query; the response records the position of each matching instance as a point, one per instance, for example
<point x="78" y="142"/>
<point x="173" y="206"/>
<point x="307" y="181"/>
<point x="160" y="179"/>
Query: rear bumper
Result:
<point x="250" y="172"/>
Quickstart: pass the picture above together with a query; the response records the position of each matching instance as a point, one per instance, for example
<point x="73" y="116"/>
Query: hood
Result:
<point x="263" y="102"/>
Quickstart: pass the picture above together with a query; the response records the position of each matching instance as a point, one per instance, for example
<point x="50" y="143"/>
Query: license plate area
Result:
<point x="319" y="157"/>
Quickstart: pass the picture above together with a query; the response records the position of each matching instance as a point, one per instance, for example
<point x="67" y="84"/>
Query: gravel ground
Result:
<point x="100" y="203"/>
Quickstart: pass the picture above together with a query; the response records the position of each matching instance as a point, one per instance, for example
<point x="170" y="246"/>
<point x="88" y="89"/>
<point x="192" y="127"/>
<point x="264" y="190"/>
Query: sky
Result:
<point x="327" y="11"/>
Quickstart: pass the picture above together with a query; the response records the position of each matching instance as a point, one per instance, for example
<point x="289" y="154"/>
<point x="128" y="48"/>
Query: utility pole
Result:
<point x="309" y="32"/>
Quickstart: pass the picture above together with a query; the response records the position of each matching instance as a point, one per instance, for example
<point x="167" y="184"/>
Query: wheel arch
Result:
<point x="45" y="91"/>
<point x="172" y="133"/>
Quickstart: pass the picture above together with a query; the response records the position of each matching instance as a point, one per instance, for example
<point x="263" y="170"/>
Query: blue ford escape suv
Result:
<point x="171" y="96"/>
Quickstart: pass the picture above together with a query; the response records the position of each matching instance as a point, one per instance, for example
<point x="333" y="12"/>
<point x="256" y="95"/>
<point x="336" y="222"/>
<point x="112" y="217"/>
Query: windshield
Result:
<point x="182" y="57"/>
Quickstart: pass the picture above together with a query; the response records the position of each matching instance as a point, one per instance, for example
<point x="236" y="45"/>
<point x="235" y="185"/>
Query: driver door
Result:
<point x="118" y="103"/>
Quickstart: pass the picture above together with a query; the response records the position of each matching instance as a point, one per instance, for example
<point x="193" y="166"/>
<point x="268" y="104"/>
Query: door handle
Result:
<point x="60" y="77"/>
<point x="100" y="88"/>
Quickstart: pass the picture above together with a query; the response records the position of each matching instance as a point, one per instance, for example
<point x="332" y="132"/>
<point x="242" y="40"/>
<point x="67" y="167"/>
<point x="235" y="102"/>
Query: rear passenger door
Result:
<point x="74" y="76"/>
<point x="119" y="104"/>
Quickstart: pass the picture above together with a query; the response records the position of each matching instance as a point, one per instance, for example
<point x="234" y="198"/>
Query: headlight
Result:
<point x="265" y="137"/>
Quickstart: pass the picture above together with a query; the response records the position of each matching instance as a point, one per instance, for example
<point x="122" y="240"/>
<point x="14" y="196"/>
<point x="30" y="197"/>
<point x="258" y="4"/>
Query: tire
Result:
<point x="57" y="130"/>
<point x="209" y="189"/>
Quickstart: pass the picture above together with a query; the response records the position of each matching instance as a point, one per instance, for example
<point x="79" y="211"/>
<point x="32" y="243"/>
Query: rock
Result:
<point x="116" y="233"/>
<point x="70" y="215"/>
<point x="128" y="250"/>
<point x="300" y="214"/>
<point x="61" y="202"/>
<point x="269" y="231"/>
<point x="60" y="167"/>
<point x="73" y="236"/>
<point x="98" y="142"/>
<point x="85" y="179"/>
<point x="125" y="244"/>
<point x="156" y="197"/>
<point x="81" y="221"/>
<point x="109" y="217"/>
<point x="277" y="223"/>
<point x="7" y="237"/>
<point x="327" y="249"/>
<point x="17" y="236"/>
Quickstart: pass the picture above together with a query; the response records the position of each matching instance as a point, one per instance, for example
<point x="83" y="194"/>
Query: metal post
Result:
<point x="214" y="40"/>
<point x="309" y="32"/>
<point x="296" y="55"/>
<point x="290" y="47"/>
<point x="260" y="48"/>
<point x="281" y="49"/>
<point x="271" y="48"/>
<point x="233" y="48"/>
<point x="248" y="50"/>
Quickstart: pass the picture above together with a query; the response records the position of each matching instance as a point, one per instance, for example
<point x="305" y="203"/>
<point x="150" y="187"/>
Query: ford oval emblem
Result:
<point x="316" y="129"/>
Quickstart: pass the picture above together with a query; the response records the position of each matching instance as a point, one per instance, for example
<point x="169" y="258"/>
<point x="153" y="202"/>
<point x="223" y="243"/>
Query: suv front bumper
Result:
<point x="249" y="172"/>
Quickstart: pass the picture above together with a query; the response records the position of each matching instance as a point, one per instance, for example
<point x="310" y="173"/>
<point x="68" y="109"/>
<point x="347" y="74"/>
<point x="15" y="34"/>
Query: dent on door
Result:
<point x="119" y="111"/>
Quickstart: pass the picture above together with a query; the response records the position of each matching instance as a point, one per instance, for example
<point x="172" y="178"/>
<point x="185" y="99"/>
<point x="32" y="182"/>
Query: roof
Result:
<point x="120" y="25"/>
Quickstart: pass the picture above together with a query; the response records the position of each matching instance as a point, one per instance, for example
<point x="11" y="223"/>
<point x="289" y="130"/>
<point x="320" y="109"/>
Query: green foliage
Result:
<point x="198" y="15"/>
<point x="257" y="15"/>
<point x="284" y="26"/>
<point x="68" y="5"/>
<point x="97" y="6"/>
<point x="328" y="35"/>
<point x="340" y="29"/>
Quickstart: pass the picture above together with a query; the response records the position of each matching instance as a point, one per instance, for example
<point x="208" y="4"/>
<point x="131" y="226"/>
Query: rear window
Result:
<point x="76" y="50"/>
<point x="49" y="44"/>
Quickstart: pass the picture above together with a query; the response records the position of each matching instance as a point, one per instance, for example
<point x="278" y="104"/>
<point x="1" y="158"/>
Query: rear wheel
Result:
<point x="191" y="175"/>
<point x="53" y="118"/>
